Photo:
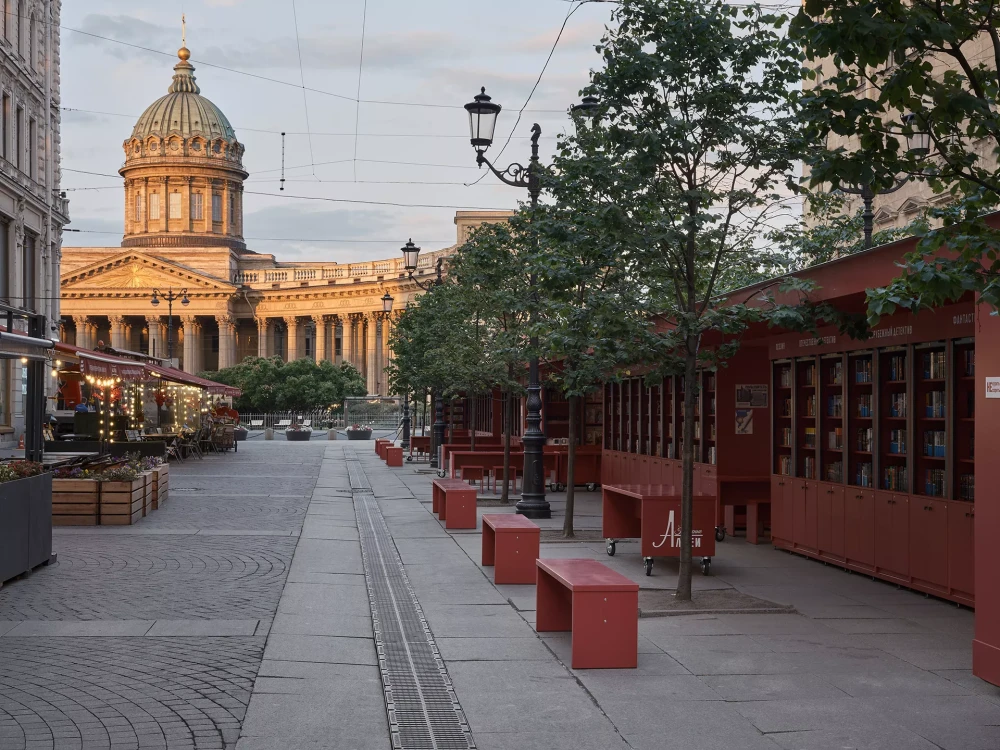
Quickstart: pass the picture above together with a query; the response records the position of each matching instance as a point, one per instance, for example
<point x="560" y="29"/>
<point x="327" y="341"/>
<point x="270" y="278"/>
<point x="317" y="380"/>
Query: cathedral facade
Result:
<point x="183" y="177"/>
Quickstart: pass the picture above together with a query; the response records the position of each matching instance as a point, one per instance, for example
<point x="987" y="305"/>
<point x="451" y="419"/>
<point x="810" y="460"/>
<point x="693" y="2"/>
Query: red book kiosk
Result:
<point x="862" y="454"/>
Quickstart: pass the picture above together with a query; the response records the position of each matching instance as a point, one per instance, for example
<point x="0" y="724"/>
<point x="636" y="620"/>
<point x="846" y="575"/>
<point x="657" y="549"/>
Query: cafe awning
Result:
<point x="15" y="345"/>
<point x="100" y="365"/>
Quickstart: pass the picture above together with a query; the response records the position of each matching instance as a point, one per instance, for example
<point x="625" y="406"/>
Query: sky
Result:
<point x="423" y="52"/>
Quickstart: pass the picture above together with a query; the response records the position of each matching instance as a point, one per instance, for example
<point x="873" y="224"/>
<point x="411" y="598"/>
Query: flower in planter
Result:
<point x="124" y="473"/>
<point x="13" y="470"/>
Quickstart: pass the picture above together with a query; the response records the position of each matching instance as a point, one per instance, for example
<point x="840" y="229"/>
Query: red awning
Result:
<point x="101" y="365"/>
<point x="178" y="376"/>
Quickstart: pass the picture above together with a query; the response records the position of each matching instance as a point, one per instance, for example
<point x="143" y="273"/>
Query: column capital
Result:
<point x="189" y="320"/>
<point x="225" y="320"/>
<point x="80" y="320"/>
<point x="152" y="319"/>
<point x="291" y="320"/>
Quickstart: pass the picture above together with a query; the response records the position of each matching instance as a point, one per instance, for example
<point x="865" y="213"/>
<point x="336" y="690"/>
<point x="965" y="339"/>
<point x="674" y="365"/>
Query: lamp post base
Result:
<point x="533" y="508"/>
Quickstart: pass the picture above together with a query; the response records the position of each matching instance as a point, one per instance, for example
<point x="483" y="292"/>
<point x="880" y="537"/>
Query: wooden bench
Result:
<point x="511" y="544"/>
<point x="597" y="605"/>
<point x="393" y="455"/>
<point x="380" y="444"/>
<point x="455" y="503"/>
<point x="421" y="444"/>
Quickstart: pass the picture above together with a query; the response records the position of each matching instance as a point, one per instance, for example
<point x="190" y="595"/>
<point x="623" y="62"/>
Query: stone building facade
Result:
<point x="184" y="176"/>
<point x="32" y="208"/>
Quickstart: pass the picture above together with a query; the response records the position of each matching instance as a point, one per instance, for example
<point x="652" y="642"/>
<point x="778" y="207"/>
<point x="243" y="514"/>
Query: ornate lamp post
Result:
<point x="170" y="297"/>
<point x="482" y="123"/>
<point x="411" y="254"/>
<point x="917" y="143"/>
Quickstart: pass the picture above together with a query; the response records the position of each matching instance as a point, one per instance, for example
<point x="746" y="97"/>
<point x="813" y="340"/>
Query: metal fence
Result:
<point x="318" y="420"/>
<point x="373" y="411"/>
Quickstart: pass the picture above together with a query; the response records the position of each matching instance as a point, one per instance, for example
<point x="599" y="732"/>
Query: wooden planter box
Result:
<point x="161" y="484"/>
<point x="25" y="525"/>
<point x="122" y="502"/>
<point x="75" y="502"/>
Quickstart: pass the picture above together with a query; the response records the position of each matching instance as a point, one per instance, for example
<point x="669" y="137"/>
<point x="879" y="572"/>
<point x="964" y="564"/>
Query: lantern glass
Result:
<point x="482" y="120"/>
<point x="918" y="142"/>
<point x="411" y="253"/>
<point x="387" y="301"/>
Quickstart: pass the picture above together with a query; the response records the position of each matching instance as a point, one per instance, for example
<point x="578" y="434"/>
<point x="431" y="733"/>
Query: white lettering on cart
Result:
<point x="673" y="533"/>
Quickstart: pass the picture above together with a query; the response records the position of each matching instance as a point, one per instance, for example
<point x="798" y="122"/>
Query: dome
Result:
<point x="183" y="110"/>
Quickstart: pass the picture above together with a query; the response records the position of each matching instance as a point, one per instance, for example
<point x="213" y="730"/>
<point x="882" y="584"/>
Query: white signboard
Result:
<point x="751" y="396"/>
<point x="992" y="387"/>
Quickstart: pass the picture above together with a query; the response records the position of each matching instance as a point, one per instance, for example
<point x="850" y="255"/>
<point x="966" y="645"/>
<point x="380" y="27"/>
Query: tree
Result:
<point x="697" y="137"/>
<point x="273" y="385"/>
<point x="900" y="68"/>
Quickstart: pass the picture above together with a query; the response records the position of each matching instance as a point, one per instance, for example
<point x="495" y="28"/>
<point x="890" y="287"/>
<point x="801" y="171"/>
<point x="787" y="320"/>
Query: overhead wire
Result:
<point x="305" y="99"/>
<point x="357" y="106"/>
<point x="290" y="239"/>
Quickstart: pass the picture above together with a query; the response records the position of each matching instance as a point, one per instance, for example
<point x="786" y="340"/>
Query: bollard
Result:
<point x="269" y="434"/>
<point x="331" y="434"/>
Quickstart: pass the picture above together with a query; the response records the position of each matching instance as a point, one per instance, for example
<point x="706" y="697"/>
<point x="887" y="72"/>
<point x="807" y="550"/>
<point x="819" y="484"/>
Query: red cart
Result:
<point x="652" y="514"/>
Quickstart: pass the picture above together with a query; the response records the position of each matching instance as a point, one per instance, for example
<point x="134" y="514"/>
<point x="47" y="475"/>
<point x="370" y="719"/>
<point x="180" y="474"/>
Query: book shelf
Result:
<point x="861" y="419"/>
<point x="894" y="424"/>
<point x="832" y="446"/>
<point x="593" y="418"/>
<point x="782" y="416"/>
<point x="708" y="417"/>
<point x="930" y="419"/>
<point x="806" y="411"/>
<point x="963" y="420"/>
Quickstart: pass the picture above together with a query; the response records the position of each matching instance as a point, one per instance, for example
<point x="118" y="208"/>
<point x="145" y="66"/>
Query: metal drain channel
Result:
<point x="423" y="710"/>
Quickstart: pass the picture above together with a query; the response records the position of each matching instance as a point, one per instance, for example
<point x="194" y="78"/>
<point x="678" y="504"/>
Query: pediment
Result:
<point x="883" y="216"/>
<point x="912" y="206"/>
<point x="132" y="273"/>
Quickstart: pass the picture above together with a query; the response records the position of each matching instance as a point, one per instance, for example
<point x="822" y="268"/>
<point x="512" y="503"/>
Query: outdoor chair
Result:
<point x="283" y="424"/>
<point x="256" y="424"/>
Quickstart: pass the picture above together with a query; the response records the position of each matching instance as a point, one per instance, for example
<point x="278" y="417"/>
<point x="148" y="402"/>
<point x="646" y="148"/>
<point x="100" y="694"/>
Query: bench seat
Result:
<point x="455" y="503"/>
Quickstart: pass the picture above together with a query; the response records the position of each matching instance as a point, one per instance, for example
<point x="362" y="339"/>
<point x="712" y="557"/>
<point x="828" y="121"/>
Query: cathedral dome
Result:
<point x="183" y="110"/>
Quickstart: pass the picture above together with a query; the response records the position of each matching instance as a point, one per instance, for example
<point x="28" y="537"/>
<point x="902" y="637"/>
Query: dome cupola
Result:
<point x="183" y="171"/>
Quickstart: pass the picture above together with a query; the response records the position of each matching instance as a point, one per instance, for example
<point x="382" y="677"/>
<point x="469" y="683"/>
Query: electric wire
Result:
<point x="305" y="99"/>
<point x="357" y="106"/>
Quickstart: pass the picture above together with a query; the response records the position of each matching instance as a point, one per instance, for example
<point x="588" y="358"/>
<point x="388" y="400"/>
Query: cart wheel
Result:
<point x="560" y="487"/>
<point x="611" y="548"/>
<point x="409" y="458"/>
<point x="720" y="534"/>
<point x="649" y="566"/>
<point x="591" y="486"/>
<point x="441" y="474"/>
<point x="552" y="486"/>
<point x="706" y="565"/>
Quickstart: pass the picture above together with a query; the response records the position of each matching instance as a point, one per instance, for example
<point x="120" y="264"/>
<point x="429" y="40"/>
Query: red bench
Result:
<point x="380" y="444"/>
<point x="455" y="503"/>
<point x="393" y="455"/>
<point x="599" y="606"/>
<point x="510" y="544"/>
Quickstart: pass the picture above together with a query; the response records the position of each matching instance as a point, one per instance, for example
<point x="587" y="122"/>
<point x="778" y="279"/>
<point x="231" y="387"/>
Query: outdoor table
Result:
<point x="652" y="514"/>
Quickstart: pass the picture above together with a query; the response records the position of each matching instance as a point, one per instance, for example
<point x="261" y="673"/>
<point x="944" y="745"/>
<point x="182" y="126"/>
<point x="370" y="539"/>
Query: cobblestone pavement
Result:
<point x="212" y="562"/>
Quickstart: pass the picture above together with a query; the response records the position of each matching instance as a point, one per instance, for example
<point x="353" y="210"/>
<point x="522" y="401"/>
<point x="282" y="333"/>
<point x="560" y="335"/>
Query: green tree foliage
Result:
<point x="272" y="385"/>
<point x="900" y="68"/>
<point x="697" y="138"/>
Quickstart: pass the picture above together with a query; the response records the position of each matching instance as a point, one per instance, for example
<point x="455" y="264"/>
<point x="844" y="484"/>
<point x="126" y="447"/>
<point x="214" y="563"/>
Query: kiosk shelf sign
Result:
<point x="992" y="387"/>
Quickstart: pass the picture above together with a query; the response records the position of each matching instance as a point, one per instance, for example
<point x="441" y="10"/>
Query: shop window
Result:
<point x="154" y="206"/>
<point x="174" y="206"/>
<point x="196" y="206"/>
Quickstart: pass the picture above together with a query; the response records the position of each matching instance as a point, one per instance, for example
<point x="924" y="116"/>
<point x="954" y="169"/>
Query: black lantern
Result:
<point x="588" y="106"/>
<point x="387" y="301"/>
<point x="411" y="253"/>
<point x="918" y="142"/>
<point x="155" y="301"/>
<point x="482" y="120"/>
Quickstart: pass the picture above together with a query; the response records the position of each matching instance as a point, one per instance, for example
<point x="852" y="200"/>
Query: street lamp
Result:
<point x="170" y="297"/>
<point x="918" y="144"/>
<point x="411" y="254"/>
<point x="482" y="123"/>
<point x="387" y="301"/>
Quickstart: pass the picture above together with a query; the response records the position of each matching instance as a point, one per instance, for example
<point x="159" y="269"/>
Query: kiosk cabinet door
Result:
<point x="830" y="522"/>
<point x="781" y="512"/>
<point x="961" y="565"/>
<point x="804" y="512"/>
<point x="892" y="535"/>
<point x="929" y="542"/>
<point x="859" y="528"/>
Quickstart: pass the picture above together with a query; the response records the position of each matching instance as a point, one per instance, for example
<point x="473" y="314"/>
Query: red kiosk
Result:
<point x="861" y="454"/>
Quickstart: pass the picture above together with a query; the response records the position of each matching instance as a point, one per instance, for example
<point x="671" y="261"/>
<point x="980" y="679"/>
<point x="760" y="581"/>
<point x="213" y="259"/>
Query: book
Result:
<point x="835" y="405"/>
<point x="863" y="475"/>
<point x="897" y="405"/>
<point x="934" y="482"/>
<point x="809" y="375"/>
<point x="785" y="465"/>
<point x="934" y="368"/>
<point x="934" y="443"/>
<point x="895" y="478"/>
<point x="835" y="471"/>
<point x="809" y="467"/>
<point x="863" y="370"/>
<point x="897" y="442"/>
<point x="835" y="439"/>
<point x="785" y="377"/>
<point x="969" y="362"/>
<point x="967" y="487"/>
<point x="897" y="367"/>
<point x="934" y="404"/>
<point x="864" y="439"/>
<point x="837" y="373"/>
<point x="810" y="437"/>
<point x="864" y="403"/>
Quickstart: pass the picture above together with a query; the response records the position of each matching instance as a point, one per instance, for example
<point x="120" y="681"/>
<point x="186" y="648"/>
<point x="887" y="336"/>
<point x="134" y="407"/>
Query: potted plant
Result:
<point x="359" y="432"/>
<point x="298" y="432"/>
<point x="25" y="517"/>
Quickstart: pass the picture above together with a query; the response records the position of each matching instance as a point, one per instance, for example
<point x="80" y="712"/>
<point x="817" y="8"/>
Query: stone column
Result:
<point x="347" y="339"/>
<point x="227" y="341"/>
<point x="292" y="323"/>
<point x="117" y="331"/>
<point x="80" y="321"/>
<point x="190" y="356"/>
<point x="272" y="344"/>
<point x="371" y="354"/>
<point x="155" y="348"/>
<point x="262" y="342"/>
<point x="320" y="321"/>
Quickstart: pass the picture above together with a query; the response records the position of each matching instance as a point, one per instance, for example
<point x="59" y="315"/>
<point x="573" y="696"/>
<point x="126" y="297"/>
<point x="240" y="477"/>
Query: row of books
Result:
<point x="896" y="369"/>
<point x="785" y="437"/>
<point x="785" y="465"/>
<point x="711" y="454"/>
<point x="785" y="377"/>
<point x="809" y="406"/>
<point x="809" y="374"/>
<point x="897" y="404"/>
<point x="934" y="366"/>
<point x="785" y="407"/>
<point x="967" y="487"/>
<point x="897" y="441"/>
<point x="837" y="373"/>
<point x="934" y="404"/>
<point x="835" y="439"/>
<point x="863" y="370"/>
<point x="895" y="478"/>
<point x="809" y="467"/>
<point x="969" y="362"/>
<point x="810" y="437"/>
<point x="864" y="402"/>
<point x="934" y="443"/>
<point x="863" y="474"/>
<point x="865" y="437"/>
<point x="934" y="482"/>
<point x="835" y="471"/>
<point x="835" y="405"/>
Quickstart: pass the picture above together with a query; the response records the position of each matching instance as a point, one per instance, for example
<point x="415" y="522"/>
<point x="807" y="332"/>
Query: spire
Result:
<point x="184" y="81"/>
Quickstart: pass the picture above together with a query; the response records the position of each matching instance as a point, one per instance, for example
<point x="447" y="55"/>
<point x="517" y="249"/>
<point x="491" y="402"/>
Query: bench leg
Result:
<point x="489" y="545"/>
<point x="606" y="630"/>
<point x="729" y="516"/>
<point x="516" y="553"/>
<point x="553" y="604"/>
<point x="753" y="523"/>
<point x="462" y="513"/>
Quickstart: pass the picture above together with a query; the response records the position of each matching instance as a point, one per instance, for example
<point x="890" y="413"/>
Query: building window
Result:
<point x="154" y="206"/>
<point x="32" y="149"/>
<point x="5" y="263"/>
<point x="18" y="28"/>
<point x="19" y="139"/>
<point x="32" y="31"/>
<point x="5" y="8"/>
<point x="6" y="127"/>
<point x="216" y="207"/>
<point x="29" y="269"/>
<point x="174" y="206"/>
<point x="197" y="210"/>
<point x="5" y="394"/>
<point x="137" y="215"/>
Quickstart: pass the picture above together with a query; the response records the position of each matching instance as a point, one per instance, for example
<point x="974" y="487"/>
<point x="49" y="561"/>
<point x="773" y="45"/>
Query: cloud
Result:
<point x="580" y="37"/>
<point x="127" y="29"/>
<point x="98" y="231"/>
<point x="307" y="234"/>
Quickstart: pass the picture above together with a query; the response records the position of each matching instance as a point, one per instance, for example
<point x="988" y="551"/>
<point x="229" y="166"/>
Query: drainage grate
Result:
<point x="424" y="712"/>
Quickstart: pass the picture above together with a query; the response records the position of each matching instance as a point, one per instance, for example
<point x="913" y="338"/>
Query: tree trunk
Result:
<point x="472" y="423"/>
<point x="434" y="447"/>
<point x="451" y="421"/>
<point x="570" y="468"/>
<point x="687" y="464"/>
<point x="423" y="416"/>
<point x="505" y="492"/>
